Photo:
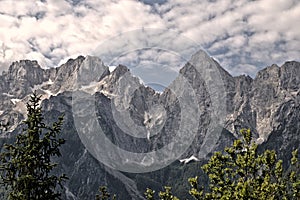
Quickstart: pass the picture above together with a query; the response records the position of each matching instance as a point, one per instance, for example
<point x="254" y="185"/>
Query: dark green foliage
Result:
<point x="163" y="195"/>
<point x="149" y="194"/>
<point x="241" y="173"/>
<point x="167" y="194"/>
<point x="104" y="194"/>
<point x="26" y="165"/>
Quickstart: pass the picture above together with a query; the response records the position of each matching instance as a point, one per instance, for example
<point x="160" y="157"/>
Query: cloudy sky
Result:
<point x="242" y="35"/>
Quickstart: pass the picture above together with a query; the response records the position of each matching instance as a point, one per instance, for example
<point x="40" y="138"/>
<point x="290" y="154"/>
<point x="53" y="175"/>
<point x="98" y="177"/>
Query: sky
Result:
<point x="244" y="36"/>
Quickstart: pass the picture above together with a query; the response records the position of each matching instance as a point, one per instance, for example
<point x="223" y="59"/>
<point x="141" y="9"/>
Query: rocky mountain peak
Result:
<point x="201" y="60"/>
<point x="200" y="56"/>
<point x="120" y="70"/>
<point x="267" y="104"/>
<point x="197" y="59"/>
<point x="78" y="59"/>
<point x="290" y="78"/>
<point x="257" y="102"/>
<point x="21" y="76"/>
<point x="243" y="84"/>
<point x="117" y="73"/>
<point x="23" y="68"/>
<point x="287" y="76"/>
<point x="67" y="69"/>
<point x="24" y="63"/>
<point x="269" y="73"/>
<point x="92" y="69"/>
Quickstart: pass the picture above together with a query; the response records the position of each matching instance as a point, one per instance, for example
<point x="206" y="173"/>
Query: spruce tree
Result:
<point x="242" y="173"/>
<point x="27" y="164"/>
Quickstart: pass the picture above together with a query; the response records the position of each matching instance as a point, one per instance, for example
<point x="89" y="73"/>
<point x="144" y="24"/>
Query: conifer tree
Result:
<point x="27" y="165"/>
<point x="241" y="173"/>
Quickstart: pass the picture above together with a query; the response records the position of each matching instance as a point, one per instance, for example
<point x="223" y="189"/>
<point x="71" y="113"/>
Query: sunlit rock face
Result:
<point x="268" y="104"/>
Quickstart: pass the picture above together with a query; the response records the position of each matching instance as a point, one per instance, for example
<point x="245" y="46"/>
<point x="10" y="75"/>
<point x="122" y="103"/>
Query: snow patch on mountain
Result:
<point x="15" y="101"/>
<point x="111" y="68"/>
<point x="190" y="159"/>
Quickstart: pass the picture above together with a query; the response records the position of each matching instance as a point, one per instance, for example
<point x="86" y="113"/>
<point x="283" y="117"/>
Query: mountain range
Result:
<point x="206" y="109"/>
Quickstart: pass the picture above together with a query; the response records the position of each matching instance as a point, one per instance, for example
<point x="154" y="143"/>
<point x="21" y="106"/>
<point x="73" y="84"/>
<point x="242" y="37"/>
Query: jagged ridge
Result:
<point x="267" y="104"/>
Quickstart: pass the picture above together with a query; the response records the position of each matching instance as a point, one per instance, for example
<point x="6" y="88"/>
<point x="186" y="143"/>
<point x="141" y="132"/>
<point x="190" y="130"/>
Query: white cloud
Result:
<point x="244" y="69"/>
<point x="239" y="34"/>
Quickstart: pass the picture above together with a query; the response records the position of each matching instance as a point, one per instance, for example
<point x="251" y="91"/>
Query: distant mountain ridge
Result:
<point x="268" y="104"/>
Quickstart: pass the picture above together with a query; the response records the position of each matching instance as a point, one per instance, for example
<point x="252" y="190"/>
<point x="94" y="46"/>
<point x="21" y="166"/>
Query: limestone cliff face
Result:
<point x="257" y="103"/>
<point x="268" y="104"/>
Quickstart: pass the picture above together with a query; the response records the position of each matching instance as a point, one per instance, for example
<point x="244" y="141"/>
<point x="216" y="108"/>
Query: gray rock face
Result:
<point x="21" y="76"/>
<point x="25" y="77"/>
<point x="269" y="105"/>
<point x="258" y="101"/>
